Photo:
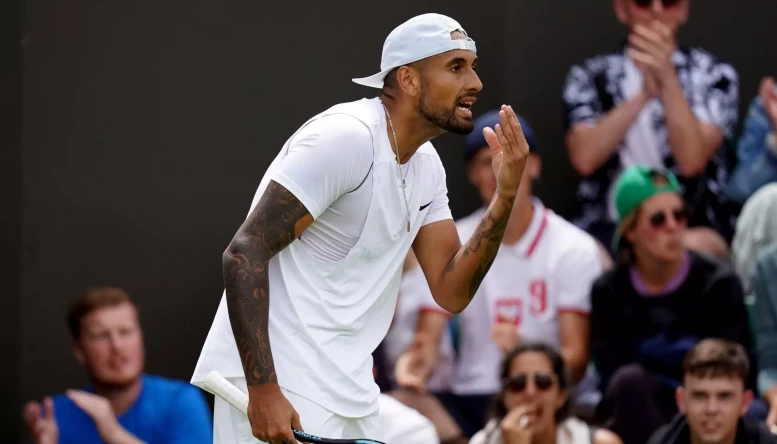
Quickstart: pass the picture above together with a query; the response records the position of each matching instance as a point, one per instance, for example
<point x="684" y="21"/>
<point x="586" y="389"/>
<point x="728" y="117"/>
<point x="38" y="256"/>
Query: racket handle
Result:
<point x="219" y="386"/>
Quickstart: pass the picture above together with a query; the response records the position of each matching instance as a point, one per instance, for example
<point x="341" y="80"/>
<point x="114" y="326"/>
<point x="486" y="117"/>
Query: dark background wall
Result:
<point x="141" y="129"/>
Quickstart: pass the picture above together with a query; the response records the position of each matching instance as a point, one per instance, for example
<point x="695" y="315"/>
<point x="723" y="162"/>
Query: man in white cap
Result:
<point x="312" y="275"/>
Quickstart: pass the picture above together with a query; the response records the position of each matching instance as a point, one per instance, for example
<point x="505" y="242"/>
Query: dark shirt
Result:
<point x="657" y="331"/>
<point x="678" y="432"/>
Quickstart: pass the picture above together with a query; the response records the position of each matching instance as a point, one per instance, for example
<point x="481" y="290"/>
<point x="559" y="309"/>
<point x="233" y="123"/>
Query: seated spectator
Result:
<point x="401" y="337"/>
<point x="532" y="406"/>
<point x="658" y="302"/>
<point x="122" y="405"/>
<point x="657" y="103"/>
<point x="765" y="327"/>
<point x="713" y="399"/>
<point x="756" y="228"/>
<point x="537" y="288"/>
<point x="757" y="146"/>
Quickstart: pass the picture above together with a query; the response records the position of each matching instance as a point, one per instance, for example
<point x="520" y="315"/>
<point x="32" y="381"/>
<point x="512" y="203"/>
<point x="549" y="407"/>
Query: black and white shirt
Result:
<point x="711" y="88"/>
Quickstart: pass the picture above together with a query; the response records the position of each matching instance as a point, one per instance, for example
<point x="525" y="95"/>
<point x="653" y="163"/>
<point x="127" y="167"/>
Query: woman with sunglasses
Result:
<point x="655" y="305"/>
<point x="533" y="406"/>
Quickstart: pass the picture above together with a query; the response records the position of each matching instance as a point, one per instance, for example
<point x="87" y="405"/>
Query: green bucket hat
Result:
<point x="636" y="185"/>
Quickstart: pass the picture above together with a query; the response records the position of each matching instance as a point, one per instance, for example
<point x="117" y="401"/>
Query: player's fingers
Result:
<point x="288" y="437"/>
<point x="492" y="139"/>
<point x="507" y="130"/>
<point x="504" y="144"/>
<point x="520" y="139"/>
<point x="295" y="422"/>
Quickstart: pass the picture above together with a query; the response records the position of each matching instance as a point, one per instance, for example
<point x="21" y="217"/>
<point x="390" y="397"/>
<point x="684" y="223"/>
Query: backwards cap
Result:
<point x="420" y="37"/>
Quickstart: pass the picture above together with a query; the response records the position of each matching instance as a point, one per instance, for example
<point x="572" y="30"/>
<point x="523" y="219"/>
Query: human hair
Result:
<point x="94" y="299"/>
<point x="715" y="358"/>
<point x="625" y="252"/>
<point x="390" y="81"/>
<point x="498" y="409"/>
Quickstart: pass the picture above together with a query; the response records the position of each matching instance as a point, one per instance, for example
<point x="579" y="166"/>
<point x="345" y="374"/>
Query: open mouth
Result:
<point x="465" y="107"/>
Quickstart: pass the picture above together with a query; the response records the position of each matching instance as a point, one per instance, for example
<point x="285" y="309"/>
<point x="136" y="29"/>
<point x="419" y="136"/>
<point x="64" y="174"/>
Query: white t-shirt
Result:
<point x="403" y="329"/>
<point x="333" y="292"/>
<point x="328" y="168"/>
<point x="550" y="270"/>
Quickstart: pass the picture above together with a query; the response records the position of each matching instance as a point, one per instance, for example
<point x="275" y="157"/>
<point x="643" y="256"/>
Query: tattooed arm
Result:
<point x="454" y="271"/>
<point x="274" y="223"/>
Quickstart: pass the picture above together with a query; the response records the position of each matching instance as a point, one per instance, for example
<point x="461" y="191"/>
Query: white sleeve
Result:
<point x="577" y="270"/>
<point x="327" y="158"/>
<point x="439" y="209"/>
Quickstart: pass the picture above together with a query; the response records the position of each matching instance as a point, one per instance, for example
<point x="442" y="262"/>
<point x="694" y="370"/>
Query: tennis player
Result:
<point x="312" y="275"/>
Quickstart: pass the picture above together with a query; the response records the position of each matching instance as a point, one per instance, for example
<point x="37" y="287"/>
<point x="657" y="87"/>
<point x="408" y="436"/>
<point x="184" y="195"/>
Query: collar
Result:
<point x="534" y="233"/>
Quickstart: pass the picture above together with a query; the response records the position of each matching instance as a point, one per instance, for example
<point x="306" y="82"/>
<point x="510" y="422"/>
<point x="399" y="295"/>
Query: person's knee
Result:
<point x="706" y="240"/>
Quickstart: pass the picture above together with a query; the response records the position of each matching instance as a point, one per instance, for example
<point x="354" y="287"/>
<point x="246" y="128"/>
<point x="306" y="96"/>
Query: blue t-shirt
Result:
<point x="166" y="412"/>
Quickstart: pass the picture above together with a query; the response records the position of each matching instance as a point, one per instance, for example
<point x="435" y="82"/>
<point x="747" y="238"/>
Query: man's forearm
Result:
<point x="277" y="220"/>
<point x="686" y="139"/>
<point x="591" y="147"/>
<point x="248" y="304"/>
<point x="470" y="264"/>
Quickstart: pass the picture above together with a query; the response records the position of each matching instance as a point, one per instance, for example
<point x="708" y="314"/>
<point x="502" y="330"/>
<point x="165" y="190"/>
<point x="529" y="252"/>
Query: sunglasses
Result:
<point x="649" y="3"/>
<point x="658" y="219"/>
<point x="517" y="384"/>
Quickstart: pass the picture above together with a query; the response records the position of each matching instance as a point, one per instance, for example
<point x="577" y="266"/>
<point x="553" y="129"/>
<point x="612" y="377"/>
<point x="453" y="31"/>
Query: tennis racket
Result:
<point x="225" y="390"/>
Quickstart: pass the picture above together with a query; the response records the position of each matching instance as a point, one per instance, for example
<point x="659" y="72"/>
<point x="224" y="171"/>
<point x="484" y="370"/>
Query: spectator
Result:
<point x="657" y="303"/>
<point x="122" y="405"/>
<point x="657" y="103"/>
<point x="713" y="399"/>
<point x="757" y="147"/>
<point x="532" y="406"/>
<point x="765" y="327"/>
<point x="538" y="288"/>
<point x="756" y="228"/>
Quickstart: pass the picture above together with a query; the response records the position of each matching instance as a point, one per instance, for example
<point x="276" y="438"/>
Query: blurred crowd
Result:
<point x="650" y="315"/>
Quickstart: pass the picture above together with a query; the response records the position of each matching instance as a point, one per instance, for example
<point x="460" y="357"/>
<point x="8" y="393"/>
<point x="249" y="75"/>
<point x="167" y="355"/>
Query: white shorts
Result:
<point x="230" y="426"/>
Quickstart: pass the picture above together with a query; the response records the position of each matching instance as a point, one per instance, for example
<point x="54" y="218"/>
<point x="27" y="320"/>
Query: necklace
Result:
<point x="399" y="166"/>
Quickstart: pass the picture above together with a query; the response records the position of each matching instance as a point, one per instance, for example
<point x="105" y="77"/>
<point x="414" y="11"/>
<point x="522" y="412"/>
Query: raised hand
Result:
<point x="414" y="367"/>
<point x="509" y="151"/>
<point x="41" y="423"/>
<point x="651" y="49"/>
<point x="517" y="426"/>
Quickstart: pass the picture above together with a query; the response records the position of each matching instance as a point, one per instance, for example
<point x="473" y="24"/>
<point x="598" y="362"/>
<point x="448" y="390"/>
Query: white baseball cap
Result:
<point x="420" y="37"/>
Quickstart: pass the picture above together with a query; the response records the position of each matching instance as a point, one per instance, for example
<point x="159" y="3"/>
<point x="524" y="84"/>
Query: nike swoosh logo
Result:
<point x="424" y="206"/>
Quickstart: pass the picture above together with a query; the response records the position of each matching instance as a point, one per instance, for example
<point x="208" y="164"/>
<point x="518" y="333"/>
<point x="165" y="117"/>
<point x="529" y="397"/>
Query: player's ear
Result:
<point x="409" y="80"/>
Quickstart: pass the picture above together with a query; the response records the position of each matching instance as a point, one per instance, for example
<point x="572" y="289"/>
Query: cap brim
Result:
<point x="375" y="80"/>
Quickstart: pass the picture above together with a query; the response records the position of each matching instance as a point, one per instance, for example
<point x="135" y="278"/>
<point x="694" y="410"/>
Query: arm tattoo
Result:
<point x="487" y="237"/>
<point x="269" y="229"/>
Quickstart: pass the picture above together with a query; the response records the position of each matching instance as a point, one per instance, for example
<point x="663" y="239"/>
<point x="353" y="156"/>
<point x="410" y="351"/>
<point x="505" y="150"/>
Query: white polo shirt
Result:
<point x="550" y="270"/>
<point x="333" y="292"/>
